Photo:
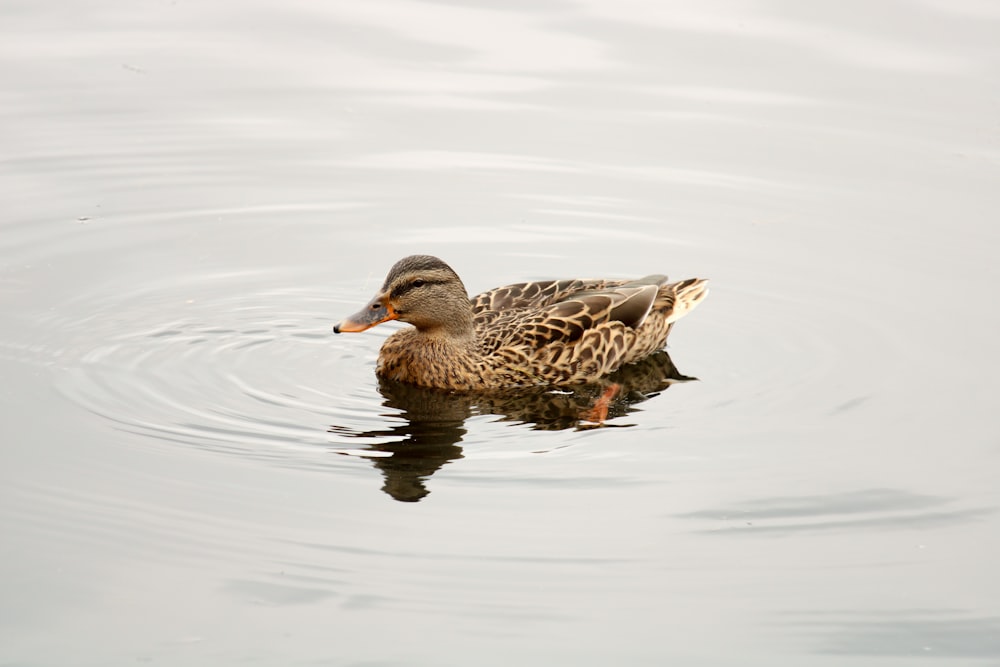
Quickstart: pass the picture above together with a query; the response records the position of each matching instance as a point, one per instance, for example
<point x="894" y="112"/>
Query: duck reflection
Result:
<point x="432" y="422"/>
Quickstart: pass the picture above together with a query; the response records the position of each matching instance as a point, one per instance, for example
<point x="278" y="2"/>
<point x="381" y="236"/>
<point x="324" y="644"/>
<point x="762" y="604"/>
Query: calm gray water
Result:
<point x="195" y="471"/>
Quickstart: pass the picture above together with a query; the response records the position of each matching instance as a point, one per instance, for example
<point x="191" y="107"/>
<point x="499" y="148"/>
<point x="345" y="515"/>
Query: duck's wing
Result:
<point x="541" y="294"/>
<point x="530" y="295"/>
<point x="566" y="321"/>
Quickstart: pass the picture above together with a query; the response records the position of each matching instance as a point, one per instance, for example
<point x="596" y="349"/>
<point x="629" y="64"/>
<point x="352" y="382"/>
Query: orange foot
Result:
<point x="598" y="412"/>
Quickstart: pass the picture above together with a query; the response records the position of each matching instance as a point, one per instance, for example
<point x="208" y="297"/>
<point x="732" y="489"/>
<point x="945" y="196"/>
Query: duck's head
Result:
<point x="420" y="290"/>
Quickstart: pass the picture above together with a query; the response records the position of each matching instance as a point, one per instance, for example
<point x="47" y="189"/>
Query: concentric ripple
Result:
<point x="228" y="363"/>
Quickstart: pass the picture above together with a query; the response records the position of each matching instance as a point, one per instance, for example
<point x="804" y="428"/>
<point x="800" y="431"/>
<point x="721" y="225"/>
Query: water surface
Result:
<point x="195" y="470"/>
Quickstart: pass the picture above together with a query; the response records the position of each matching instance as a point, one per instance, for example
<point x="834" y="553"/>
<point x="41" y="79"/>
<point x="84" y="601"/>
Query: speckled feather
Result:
<point x="564" y="332"/>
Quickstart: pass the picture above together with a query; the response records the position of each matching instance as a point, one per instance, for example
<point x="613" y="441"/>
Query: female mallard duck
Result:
<point x="559" y="332"/>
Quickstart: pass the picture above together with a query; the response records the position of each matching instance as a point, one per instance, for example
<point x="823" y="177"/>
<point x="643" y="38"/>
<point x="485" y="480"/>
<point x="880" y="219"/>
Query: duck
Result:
<point x="553" y="333"/>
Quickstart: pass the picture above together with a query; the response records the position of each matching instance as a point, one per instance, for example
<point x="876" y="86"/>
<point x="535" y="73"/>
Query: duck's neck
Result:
<point x="453" y="324"/>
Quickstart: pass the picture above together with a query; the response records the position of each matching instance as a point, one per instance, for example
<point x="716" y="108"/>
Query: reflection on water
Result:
<point x="433" y="422"/>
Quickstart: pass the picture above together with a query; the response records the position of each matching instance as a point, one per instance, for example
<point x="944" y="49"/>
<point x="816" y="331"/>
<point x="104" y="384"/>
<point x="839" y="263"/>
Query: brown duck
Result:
<point x="550" y="333"/>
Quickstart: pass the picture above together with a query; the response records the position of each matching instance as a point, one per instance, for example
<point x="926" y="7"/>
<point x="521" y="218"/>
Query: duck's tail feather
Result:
<point x="686" y="295"/>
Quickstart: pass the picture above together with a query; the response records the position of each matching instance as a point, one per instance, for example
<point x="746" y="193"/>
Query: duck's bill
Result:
<point x="374" y="313"/>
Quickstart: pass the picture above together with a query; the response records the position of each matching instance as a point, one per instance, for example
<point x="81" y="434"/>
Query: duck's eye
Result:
<point x="418" y="283"/>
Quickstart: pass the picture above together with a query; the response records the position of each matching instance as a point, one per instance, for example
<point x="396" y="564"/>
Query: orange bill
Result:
<point x="376" y="312"/>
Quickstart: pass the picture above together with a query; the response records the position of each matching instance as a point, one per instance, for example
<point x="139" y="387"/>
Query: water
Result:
<point x="196" y="471"/>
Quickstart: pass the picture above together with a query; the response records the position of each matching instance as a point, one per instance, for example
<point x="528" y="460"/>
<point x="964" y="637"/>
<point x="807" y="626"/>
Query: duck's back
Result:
<point x="488" y="305"/>
<point x="575" y="331"/>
